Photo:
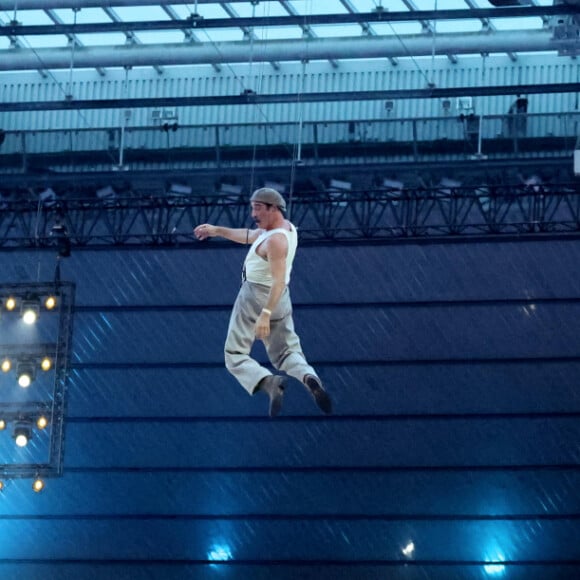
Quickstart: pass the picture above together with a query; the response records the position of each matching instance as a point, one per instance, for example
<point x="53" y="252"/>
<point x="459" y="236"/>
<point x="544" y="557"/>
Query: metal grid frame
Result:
<point x="55" y="407"/>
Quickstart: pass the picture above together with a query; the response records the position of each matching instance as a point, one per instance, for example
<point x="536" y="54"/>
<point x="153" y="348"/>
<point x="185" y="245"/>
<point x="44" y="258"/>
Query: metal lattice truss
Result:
<point x="368" y="26"/>
<point x="386" y="214"/>
<point x="47" y="395"/>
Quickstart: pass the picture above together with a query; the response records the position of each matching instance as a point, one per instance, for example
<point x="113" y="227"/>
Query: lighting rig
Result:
<point x="36" y="321"/>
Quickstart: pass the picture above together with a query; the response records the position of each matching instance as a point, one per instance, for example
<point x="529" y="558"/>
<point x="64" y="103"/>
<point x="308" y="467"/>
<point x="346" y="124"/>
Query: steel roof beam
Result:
<point x="427" y="27"/>
<point x="489" y="25"/>
<point x="290" y="20"/>
<point x="131" y="38"/>
<point x="78" y="4"/>
<point x="321" y="97"/>
<point x="247" y="30"/>
<point x="365" y="26"/>
<point x="306" y="29"/>
<point x="187" y="32"/>
<point x="283" y="50"/>
<point x="72" y="38"/>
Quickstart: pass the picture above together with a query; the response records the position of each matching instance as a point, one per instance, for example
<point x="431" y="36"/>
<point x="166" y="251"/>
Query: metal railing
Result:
<point x="168" y="142"/>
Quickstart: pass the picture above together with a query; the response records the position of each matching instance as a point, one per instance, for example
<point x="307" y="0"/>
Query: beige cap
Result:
<point x="269" y="196"/>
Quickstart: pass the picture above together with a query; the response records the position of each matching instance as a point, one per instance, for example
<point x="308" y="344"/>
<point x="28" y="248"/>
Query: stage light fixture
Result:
<point x="408" y="550"/>
<point x="50" y="302"/>
<point x="6" y="365"/>
<point x="47" y="197"/>
<point x="22" y="433"/>
<point x="60" y="234"/>
<point x="2" y="424"/>
<point x="10" y="303"/>
<point x="38" y="485"/>
<point x="42" y="422"/>
<point x="25" y="374"/>
<point x="46" y="363"/>
<point x="179" y="189"/>
<point x="29" y="311"/>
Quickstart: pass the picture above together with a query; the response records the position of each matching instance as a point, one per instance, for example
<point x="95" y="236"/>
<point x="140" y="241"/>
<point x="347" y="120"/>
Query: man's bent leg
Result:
<point x="285" y="352"/>
<point x="240" y="339"/>
<point x="284" y="349"/>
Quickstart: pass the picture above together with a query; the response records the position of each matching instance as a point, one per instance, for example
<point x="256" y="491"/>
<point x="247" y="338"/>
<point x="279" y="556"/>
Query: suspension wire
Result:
<point x="405" y="47"/>
<point x="72" y="58"/>
<point x="124" y="119"/>
<point x="433" y="42"/>
<point x="244" y="86"/>
<point x="479" y="132"/>
<point x="297" y="146"/>
<point x="258" y="90"/>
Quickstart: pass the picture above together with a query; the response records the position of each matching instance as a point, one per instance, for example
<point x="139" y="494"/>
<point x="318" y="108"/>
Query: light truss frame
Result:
<point x="332" y="216"/>
<point x="55" y="406"/>
<point x="376" y="16"/>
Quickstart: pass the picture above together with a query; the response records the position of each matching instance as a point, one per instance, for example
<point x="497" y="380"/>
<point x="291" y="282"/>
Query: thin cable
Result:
<point x="124" y="118"/>
<point x="433" y="38"/>
<point x="36" y="226"/>
<point x="244" y="89"/>
<point x="258" y="89"/>
<point x="73" y="42"/>
<point x="297" y="148"/>
<point x="409" y="54"/>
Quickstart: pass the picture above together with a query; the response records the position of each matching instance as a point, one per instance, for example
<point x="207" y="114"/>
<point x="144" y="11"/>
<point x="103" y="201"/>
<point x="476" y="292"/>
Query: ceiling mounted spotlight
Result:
<point x="22" y="433"/>
<point x="38" y="485"/>
<point x="2" y="424"/>
<point x="25" y="374"/>
<point x="6" y="365"/>
<point x="409" y="550"/>
<point x="42" y="422"/>
<point x="50" y="302"/>
<point x="30" y="311"/>
<point x="46" y="363"/>
<point x="10" y="303"/>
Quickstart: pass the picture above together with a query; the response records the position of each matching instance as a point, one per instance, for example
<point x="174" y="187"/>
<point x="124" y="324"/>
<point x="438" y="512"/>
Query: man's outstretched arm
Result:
<point x="238" y="235"/>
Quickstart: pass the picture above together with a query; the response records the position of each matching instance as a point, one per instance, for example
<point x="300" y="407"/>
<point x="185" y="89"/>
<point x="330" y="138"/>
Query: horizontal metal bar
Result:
<point x="9" y="5"/>
<point x="372" y="215"/>
<point x="319" y="97"/>
<point x="89" y="178"/>
<point x="286" y="50"/>
<point x="13" y="29"/>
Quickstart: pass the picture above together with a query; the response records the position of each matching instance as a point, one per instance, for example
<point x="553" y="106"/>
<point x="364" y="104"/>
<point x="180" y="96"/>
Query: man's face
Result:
<point x="262" y="213"/>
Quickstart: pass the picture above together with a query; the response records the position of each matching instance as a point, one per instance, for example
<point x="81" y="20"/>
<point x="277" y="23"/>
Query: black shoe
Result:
<point x="321" y="397"/>
<point x="273" y="386"/>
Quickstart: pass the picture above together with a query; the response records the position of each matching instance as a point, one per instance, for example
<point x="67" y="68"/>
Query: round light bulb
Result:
<point x="29" y="316"/>
<point x="2" y="424"/>
<point x="21" y="440"/>
<point x="38" y="485"/>
<point x="50" y="302"/>
<point x="42" y="422"/>
<point x="24" y="380"/>
<point x="46" y="364"/>
<point x="6" y="365"/>
<point x="10" y="303"/>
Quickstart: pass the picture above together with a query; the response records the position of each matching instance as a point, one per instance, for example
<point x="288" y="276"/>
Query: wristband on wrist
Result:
<point x="267" y="311"/>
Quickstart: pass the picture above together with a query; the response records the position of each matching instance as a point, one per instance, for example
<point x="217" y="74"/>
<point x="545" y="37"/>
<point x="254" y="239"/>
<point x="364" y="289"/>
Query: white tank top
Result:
<point x="257" y="269"/>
